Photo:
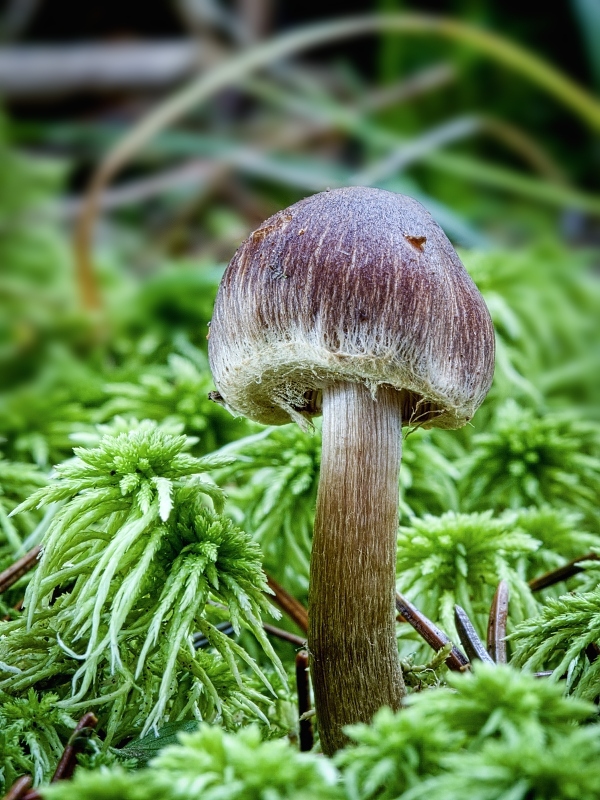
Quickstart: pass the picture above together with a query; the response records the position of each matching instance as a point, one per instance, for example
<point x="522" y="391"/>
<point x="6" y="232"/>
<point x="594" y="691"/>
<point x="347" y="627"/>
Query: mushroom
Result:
<point x="352" y="303"/>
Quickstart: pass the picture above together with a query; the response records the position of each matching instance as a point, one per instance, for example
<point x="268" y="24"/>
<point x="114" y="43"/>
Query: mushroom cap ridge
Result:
<point x="359" y="285"/>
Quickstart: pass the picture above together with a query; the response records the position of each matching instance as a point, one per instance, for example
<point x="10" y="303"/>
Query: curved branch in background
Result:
<point x="512" y="56"/>
<point x="457" y="129"/>
<point x="407" y="152"/>
<point x="39" y="71"/>
<point x="524" y="145"/>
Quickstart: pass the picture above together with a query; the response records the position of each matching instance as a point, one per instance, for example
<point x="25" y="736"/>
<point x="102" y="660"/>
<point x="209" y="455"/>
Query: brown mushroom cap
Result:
<point x="358" y="285"/>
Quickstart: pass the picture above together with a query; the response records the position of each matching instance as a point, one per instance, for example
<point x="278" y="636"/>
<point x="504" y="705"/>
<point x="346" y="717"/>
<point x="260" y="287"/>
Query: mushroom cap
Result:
<point x="358" y="285"/>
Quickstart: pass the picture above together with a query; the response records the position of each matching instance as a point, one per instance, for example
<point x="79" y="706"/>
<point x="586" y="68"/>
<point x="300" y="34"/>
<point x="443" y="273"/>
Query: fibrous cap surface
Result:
<point x="354" y="284"/>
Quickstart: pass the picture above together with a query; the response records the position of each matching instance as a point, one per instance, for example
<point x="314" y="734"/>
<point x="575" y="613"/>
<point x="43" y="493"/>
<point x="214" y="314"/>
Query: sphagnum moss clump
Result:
<point x="136" y="552"/>
<point x="534" y="458"/>
<point x="17" y="482"/>
<point x="459" y="558"/>
<point x="54" y="384"/>
<point x="559" y="638"/>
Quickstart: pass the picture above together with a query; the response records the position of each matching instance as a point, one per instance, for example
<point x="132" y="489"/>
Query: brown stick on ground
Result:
<point x="12" y="574"/>
<point x="32" y="794"/>
<point x="434" y="637"/>
<point x="562" y="573"/>
<point x="299" y="641"/>
<point x="496" y="632"/>
<point x="18" y="788"/>
<point x="304" y="704"/>
<point x="469" y="639"/>
<point x="292" y="607"/>
<point x="68" y="761"/>
<point x="286" y="636"/>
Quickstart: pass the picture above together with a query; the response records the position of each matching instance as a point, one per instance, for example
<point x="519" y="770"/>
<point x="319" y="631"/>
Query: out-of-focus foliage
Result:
<point x="174" y="393"/>
<point x="564" y="769"/>
<point x="544" y="301"/>
<point x="37" y="296"/>
<point x="483" y="720"/>
<point x="211" y="764"/>
<point x="17" y="482"/>
<point x="40" y="415"/>
<point x="421" y="493"/>
<point x="560" y="533"/>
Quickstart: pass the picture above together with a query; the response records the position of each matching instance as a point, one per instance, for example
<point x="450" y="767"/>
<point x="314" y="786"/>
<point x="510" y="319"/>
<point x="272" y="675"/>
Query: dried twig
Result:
<point x="32" y="794"/>
<point x="226" y="627"/>
<point x="18" y="788"/>
<point x="299" y="641"/>
<point x="205" y="172"/>
<point x="304" y="703"/>
<point x="21" y="567"/>
<point x="469" y="639"/>
<point x="199" y="640"/>
<point x="292" y="607"/>
<point x="561" y="574"/>
<point x="68" y="762"/>
<point x="496" y="632"/>
<point x="46" y="70"/>
<point x="255" y="18"/>
<point x="434" y="637"/>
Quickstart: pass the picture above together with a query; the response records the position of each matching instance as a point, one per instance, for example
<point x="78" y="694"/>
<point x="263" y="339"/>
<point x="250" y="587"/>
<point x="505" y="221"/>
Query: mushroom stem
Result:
<point x="352" y="641"/>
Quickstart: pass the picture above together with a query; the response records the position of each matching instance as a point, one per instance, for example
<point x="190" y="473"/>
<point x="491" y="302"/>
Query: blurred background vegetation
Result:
<point x="499" y="160"/>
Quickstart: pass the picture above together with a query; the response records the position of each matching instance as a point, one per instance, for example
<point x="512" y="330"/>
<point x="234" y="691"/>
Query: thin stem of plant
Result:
<point x="68" y="762"/>
<point x="21" y="567"/>
<point x="201" y="641"/>
<point x="561" y="573"/>
<point x="287" y="603"/>
<point x="285" y="636"/>
<point x="19" y="787"/>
